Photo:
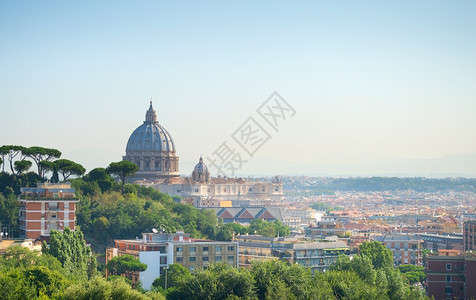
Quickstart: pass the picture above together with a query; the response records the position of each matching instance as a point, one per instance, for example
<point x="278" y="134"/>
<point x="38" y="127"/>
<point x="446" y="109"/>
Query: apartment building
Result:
<point x="451" y="275"/>
<point x="159" y="250"/>
<point x="46" y="207"/>
<point x="469" y="235"/>
<point x="406" y="249"/>
<point x="317" y="255"/>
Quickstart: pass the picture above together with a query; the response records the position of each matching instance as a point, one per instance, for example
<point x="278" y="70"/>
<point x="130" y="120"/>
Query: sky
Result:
<point x="378" y="88"/>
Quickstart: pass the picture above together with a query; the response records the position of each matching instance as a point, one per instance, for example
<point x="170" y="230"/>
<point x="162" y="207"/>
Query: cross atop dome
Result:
<point x="150" y="115"/>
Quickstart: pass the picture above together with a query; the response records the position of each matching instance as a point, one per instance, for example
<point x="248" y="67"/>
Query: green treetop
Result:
<point x="122" y="169"/>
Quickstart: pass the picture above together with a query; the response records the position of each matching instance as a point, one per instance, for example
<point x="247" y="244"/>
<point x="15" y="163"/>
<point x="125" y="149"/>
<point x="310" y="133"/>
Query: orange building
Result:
<point x="46" y="207"/>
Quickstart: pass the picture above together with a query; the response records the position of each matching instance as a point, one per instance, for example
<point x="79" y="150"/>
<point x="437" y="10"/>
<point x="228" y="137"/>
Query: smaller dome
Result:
<point x="200" y="172"/>
<point x="200" y="167"/>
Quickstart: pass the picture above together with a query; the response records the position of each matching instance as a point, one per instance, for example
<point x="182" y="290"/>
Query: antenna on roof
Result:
<point x="154" y="230"/>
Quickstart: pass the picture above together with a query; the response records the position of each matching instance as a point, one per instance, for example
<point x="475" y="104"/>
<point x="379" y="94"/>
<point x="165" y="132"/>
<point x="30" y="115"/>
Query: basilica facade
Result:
<point x="152" y="148"/>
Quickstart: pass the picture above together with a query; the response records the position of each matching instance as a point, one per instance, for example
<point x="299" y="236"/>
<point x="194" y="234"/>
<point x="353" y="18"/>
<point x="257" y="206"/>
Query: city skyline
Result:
<point x="378" y="88"/>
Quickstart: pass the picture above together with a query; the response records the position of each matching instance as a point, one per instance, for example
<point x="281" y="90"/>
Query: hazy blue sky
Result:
<point x="378" y="87"/>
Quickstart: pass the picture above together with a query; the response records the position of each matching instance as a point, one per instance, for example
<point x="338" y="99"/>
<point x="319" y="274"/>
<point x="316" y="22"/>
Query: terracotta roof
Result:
<point x="246" y="215"/>
<point x="226" y="215"/>
<point x="266" y="215"/>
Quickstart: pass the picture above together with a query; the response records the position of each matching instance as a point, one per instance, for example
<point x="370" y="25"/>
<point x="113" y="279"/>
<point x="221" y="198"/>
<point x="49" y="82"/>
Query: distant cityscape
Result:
<point x="427" y="225"/>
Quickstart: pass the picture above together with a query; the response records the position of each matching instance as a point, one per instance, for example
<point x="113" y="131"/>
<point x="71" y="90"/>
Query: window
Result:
<point x="231" y="259"/>
<point x="448" y="290"/>
<point x="448" y="267"/>
<point x="448" y="278"/>
<point x="179" y="249"/>
<point x="231" y="248"/>
<point x="217" y="258"/>
<point x="179" y="259"/>
<point x="193" y="258"/>
<point x="193" y="249"/>
<point x="218" y="249"/>
<point x="205" y="258"/>
<point x="163" y="260"/>
<point x="205" y="249"/>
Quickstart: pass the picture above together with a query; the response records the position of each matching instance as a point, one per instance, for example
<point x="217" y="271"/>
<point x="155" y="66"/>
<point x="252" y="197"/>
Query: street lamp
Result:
<point x="166" y="268"/>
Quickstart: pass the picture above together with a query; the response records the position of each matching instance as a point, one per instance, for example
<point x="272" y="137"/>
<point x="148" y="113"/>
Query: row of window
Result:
<point x="231" y="259"/>
<point x="204" y="249"/>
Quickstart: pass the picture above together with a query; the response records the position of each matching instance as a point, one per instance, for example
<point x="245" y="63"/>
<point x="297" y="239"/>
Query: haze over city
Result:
<point x="378" y="88"/>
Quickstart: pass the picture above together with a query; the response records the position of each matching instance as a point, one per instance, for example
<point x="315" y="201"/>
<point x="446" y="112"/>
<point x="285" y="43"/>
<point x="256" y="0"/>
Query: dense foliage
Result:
<point x="120" y="265"/>
<point x="71" y="251"/>
<point x="380" y="256"/>
<point x="414" y="274"/>
<point x="60" y="273"/>
<point x="105" y="213"/>
<point x="348" y="279"/>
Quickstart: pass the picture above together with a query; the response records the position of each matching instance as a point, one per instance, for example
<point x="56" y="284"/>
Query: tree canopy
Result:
<point x="414" y="274"/>
<point x="70" y="248"/>
<point x="381" y="256"/>
<point x="22" y="166"/>
<point x="122" y="169"/>
<point x="125" y="263"/>
<point x="39" y="154"/>
<point x="175" y="274"/>
<point x="67" y="168"/>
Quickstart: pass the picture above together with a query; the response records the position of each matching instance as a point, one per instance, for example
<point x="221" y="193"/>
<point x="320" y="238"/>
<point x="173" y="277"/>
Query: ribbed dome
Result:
<point x="200" y="167"/>
<point x="150" y="136"/>
<point x="200" y="172"/>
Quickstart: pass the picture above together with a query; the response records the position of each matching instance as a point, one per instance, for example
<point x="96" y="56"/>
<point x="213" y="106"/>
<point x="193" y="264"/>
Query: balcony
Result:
<point x="23" y="197"/>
